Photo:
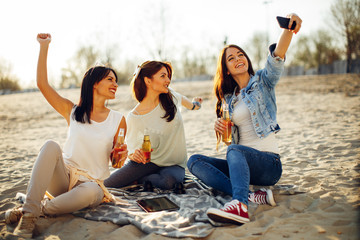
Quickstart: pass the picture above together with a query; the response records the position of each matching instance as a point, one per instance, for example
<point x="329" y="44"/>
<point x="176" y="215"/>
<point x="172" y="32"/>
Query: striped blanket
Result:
<point x="189" y="221"/>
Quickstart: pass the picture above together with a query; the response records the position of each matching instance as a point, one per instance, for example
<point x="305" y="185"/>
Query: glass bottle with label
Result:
<point x="226" y="137"/>
<point x="119" y="146"/>
<point x="146" y="147"/>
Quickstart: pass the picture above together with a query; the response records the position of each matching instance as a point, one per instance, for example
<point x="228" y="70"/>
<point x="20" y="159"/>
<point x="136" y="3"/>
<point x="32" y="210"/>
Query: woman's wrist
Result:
<point x="196" y="103"/>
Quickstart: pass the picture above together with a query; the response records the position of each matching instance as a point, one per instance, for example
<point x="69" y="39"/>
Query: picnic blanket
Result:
<point x="189" y="221"/>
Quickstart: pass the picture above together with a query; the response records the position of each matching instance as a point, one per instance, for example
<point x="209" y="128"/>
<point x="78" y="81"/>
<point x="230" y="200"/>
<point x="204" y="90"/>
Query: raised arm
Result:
<point x="286" y="36"/>
<point x="60" y="104"/>
<point x="195" y="104"/>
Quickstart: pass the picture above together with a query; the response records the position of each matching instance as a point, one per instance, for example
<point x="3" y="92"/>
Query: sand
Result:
<point x="319" y="144"/>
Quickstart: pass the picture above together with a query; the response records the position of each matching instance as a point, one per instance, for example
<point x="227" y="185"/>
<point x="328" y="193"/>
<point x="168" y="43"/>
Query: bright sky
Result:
<point x="133" y="25"/>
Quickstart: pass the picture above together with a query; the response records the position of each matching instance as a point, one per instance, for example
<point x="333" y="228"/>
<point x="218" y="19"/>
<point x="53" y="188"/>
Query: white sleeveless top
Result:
<point x="242" y="118"/>
<point x="88" y="146"/>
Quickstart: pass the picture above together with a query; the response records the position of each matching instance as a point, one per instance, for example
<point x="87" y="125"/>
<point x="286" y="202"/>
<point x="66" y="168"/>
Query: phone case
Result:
<point x="284" y="23"/>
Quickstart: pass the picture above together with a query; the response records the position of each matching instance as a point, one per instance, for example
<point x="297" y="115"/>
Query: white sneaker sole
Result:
<point x="224" y="217"/>
<point x="23" y="235"/>
<point x="270" y="197"/>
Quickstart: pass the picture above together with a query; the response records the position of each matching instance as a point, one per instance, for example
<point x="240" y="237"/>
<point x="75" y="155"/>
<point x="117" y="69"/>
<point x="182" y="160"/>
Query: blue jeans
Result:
<point x="243" y="166"/>
<point x="160" y="177"/>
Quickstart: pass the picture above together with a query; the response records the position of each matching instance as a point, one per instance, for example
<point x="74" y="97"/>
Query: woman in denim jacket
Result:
<point x="253" y="156"/>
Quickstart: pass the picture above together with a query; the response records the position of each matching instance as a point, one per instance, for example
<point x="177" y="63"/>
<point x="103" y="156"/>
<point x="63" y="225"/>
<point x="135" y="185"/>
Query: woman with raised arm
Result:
<point x="72" y="178"/>
<point x="253" y="156"/>
<point x="158" y="115"/>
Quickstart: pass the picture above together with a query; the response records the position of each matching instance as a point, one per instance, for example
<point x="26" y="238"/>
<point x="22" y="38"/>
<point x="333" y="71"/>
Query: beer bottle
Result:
<point x="226" y="137"/>
<point x="117" y="148"/>
<point x="146" y="147"/>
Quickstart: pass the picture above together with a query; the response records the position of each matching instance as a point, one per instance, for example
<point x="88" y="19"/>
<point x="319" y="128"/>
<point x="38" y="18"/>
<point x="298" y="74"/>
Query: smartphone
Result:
<point x="157" y="204"/>
<point x="284" y="23"/>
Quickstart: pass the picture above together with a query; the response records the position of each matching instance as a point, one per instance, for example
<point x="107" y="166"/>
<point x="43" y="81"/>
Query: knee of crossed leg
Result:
<point x="236" y="150"/>
<point x="92" y="192"/>
<point x="192" y="160"/>
<point x="52" y="146"/>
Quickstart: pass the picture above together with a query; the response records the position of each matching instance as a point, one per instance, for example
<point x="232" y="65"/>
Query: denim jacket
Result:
<point x="259" y="97"/>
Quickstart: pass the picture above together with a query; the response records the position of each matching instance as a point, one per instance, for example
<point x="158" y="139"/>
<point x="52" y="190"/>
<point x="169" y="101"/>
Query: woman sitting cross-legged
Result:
<point x="157" y="115"/>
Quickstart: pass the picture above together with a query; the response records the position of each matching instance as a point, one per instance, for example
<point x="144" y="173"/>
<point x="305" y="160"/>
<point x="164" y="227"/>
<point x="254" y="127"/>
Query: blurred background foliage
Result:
<point x="310" y="51"/>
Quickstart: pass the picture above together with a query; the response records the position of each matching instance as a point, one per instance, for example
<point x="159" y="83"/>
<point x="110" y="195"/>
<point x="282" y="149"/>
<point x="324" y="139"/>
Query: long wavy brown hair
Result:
<point x="224" y="83"/>
<point x="139" y="88"/>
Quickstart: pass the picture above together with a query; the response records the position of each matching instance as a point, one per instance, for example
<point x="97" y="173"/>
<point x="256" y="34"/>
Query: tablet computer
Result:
<point x="157" y="204"/>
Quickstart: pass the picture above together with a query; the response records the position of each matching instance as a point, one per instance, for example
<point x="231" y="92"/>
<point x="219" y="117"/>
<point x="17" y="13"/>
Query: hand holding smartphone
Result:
<point x="284" y="23"/>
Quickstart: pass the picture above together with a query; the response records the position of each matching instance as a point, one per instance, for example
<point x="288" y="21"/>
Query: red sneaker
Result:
<point x="262" y="196"/>
<point x="233" y="212"/>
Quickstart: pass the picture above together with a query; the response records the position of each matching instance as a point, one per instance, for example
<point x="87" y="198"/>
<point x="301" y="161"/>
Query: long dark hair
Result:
<point x="91" y="77"/>
<point x="149" y="69"/>
<point x="224" y="83"/>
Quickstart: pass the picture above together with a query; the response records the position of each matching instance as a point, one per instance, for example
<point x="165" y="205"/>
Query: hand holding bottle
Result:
<point x="119" y="152"/>
<point x="119" y="156"/>
<point x="143" y="155"/>
<point x="226" y="136"/>
<point x="220" y="125"/>
<point x="139" y="156"/>
<point x="146" y="148"/>
<point x="223" y="126"/>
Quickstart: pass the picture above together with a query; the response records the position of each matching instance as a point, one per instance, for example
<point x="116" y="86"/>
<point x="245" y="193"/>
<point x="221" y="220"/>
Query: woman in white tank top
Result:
<point x="73" y="177"/>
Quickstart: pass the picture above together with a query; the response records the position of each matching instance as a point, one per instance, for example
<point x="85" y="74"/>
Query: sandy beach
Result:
<point x="319" y="144"/>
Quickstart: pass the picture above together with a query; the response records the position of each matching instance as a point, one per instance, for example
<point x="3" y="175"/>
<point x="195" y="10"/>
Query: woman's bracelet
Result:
<point x="196" y="103"/>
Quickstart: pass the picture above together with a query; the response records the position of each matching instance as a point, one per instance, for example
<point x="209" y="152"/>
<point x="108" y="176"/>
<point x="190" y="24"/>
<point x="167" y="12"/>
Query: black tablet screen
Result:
<point x="157" y="204"/>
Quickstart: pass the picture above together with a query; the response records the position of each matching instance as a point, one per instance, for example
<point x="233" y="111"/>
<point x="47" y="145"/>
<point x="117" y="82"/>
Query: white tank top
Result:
<point x="88" y="146"/>
<point x="242" y="118"/>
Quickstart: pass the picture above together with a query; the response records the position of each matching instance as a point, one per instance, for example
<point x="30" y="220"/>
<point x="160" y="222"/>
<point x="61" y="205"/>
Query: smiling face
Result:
<point x="159" y="82"/>
<point x="107" y="86"/>
<point x="236" y="62"/>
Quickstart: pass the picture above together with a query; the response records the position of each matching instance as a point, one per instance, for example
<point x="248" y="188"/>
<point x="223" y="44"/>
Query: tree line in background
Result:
<point x="7" y="80"/>
<point x="321" y="47"/>
<point x="310" y="51"/>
